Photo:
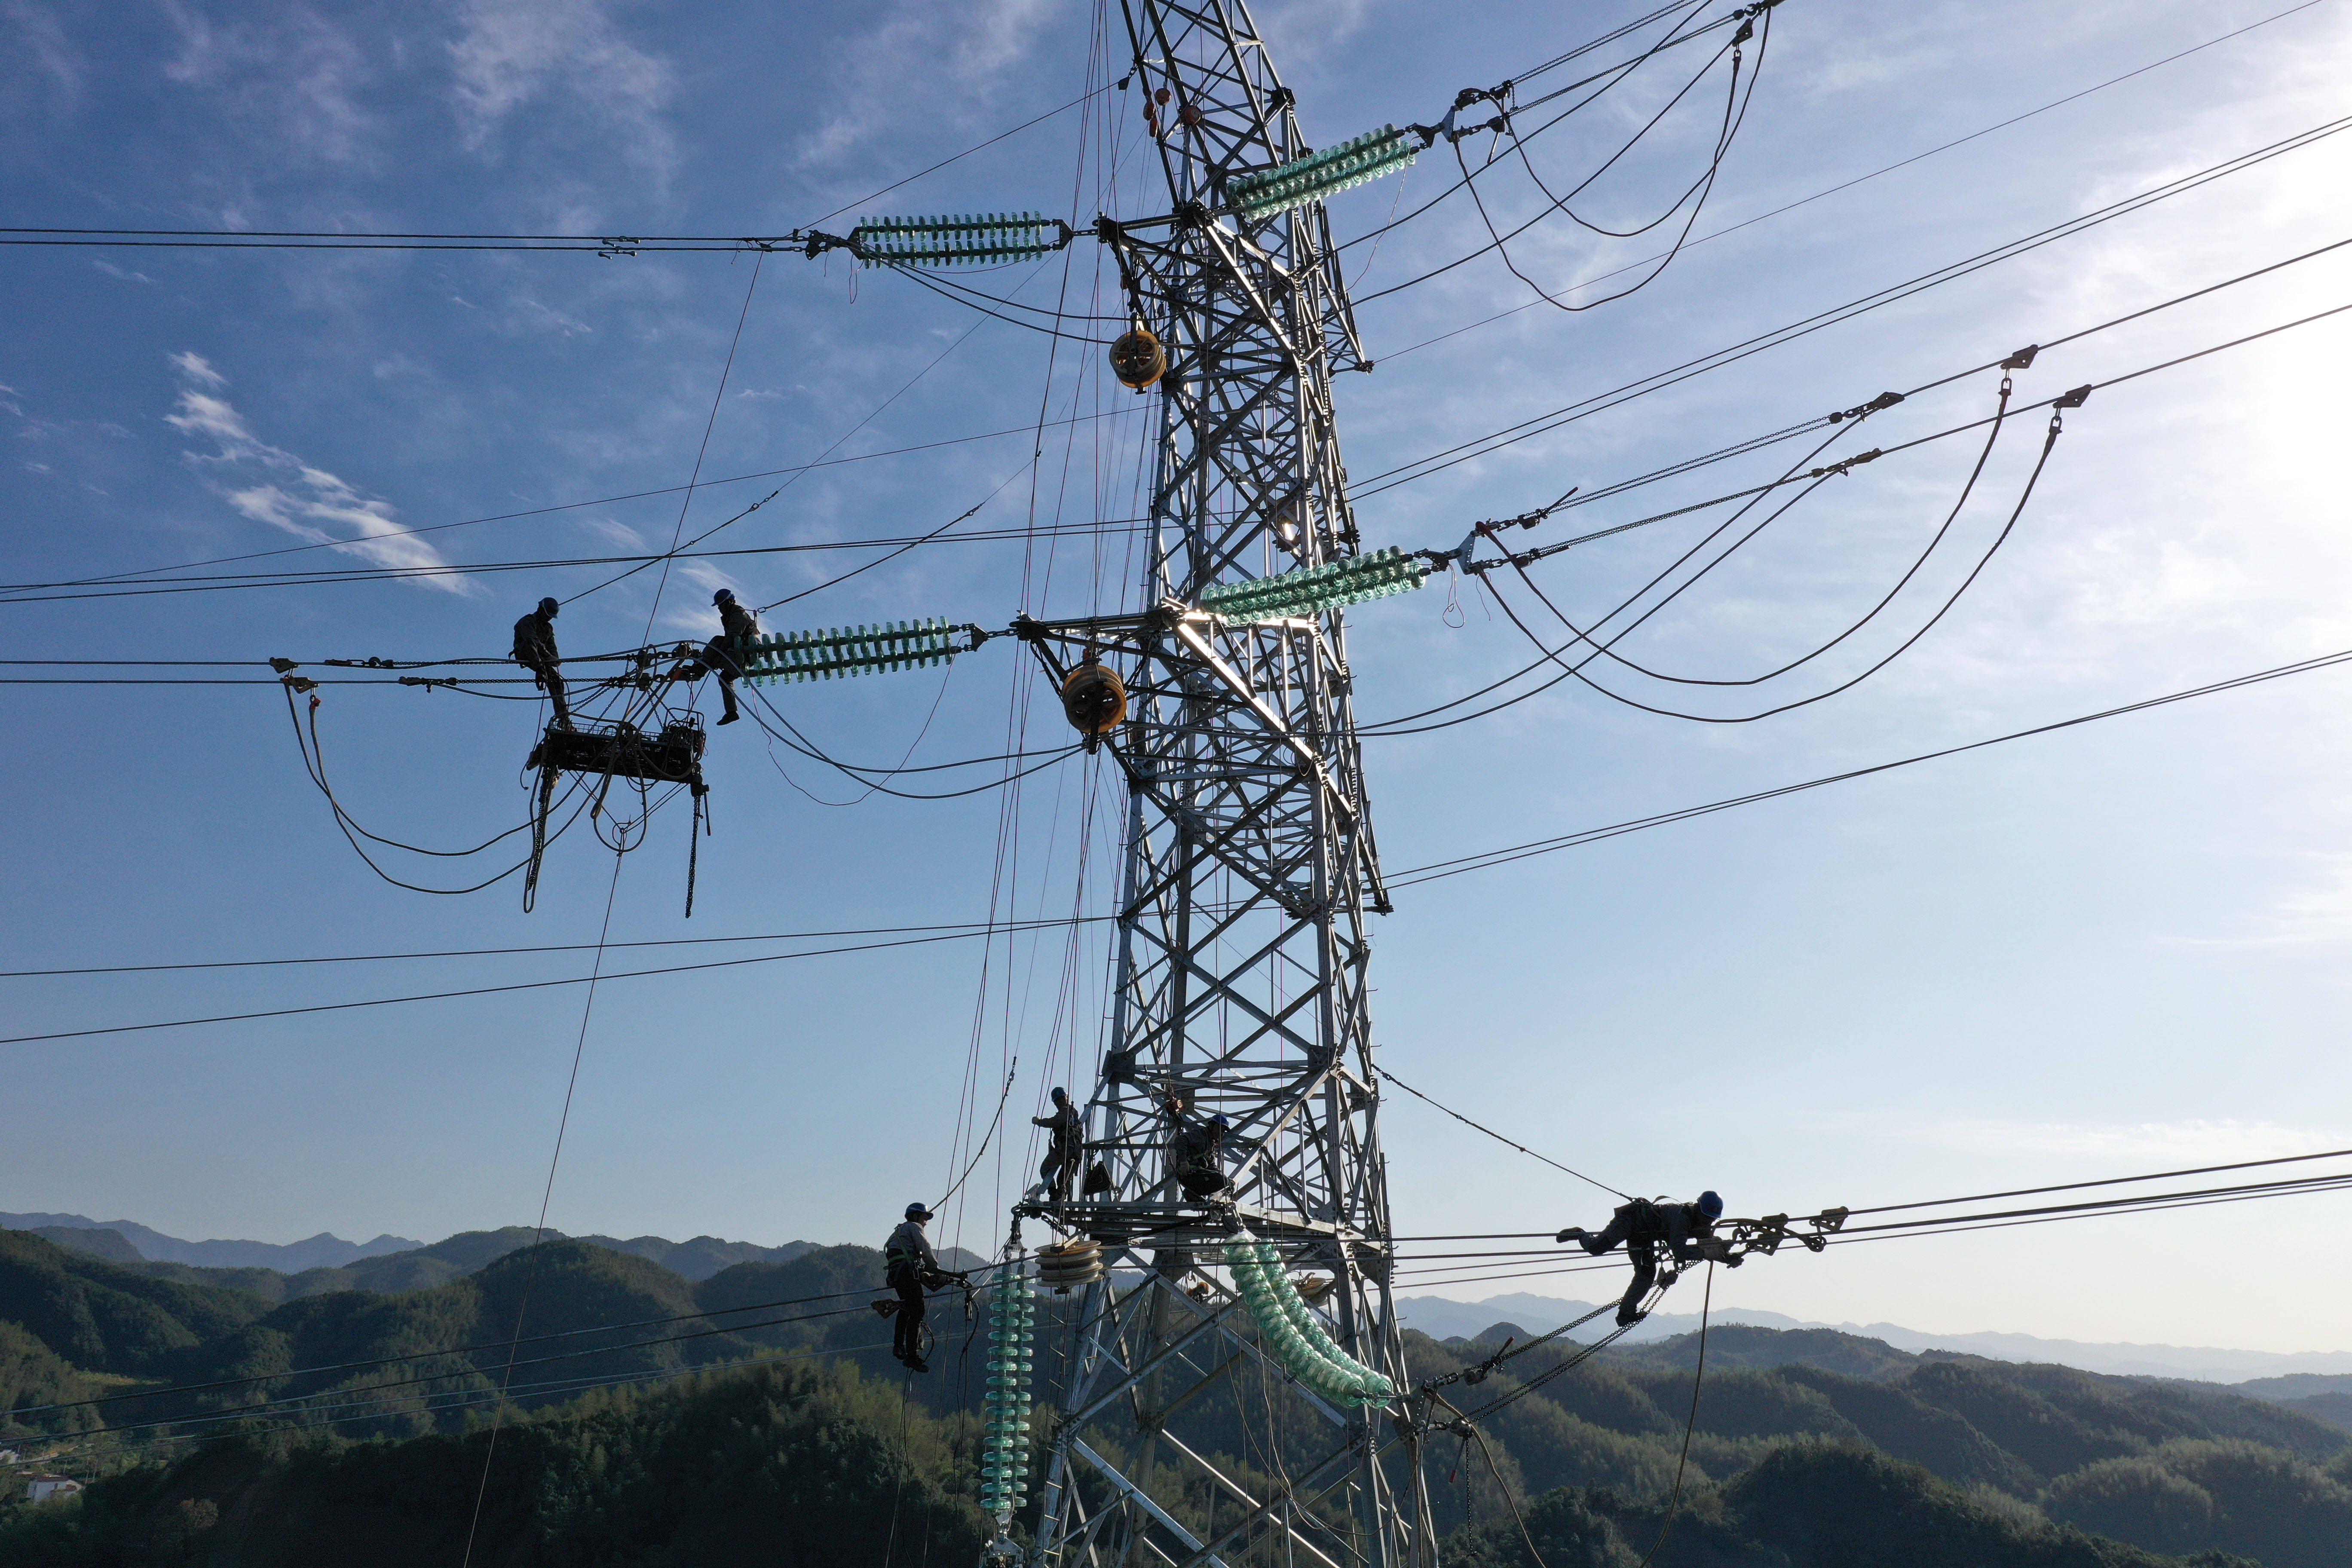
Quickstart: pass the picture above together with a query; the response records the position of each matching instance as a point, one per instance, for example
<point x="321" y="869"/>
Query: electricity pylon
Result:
<point x="1249" y="867"/>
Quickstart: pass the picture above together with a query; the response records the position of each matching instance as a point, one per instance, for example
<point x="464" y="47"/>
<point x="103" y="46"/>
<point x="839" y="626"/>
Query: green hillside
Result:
<point x="1809" y="1448"/>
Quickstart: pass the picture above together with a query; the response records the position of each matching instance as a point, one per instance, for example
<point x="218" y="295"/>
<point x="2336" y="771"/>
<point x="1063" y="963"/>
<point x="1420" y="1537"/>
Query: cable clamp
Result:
<point x="2023" y="358"/>
<point x="2074" y="399"/>
<point x="1885" y="400"/>
<point x="284" y="666"/>
<point x="1848" y="466"/>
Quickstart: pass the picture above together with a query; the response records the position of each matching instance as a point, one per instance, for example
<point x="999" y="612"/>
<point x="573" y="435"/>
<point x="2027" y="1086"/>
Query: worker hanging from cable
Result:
<point x="725" y="655"/>
<point x="913" y="1268"/>
<point x="1195" y="1152"/>
<point x="1643" y="1225"/>
<point x="534" y="649"/>
<point x="1066" y="1151"/>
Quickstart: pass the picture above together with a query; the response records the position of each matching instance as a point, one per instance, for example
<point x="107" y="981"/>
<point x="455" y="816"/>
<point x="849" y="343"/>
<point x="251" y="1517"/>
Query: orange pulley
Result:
<point x="1094" y="699"/>
<point x="1138" y="359"/>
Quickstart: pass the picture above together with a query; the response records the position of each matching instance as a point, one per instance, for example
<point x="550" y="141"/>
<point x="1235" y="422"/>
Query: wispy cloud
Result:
<point x="973" y="47"/>
<point x="111" y="270"/>
<point x="40" y="71"/>
<point x="296" y="75"/>
<point x="619" y="533"/>
<point x="513" y="54"/>
<point x="293" y="495"/>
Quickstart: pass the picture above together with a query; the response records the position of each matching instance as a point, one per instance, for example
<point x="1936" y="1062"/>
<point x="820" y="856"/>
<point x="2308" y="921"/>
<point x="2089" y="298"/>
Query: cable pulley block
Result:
<point x="1094" y="699"/>
<point x="1138" y="359"/>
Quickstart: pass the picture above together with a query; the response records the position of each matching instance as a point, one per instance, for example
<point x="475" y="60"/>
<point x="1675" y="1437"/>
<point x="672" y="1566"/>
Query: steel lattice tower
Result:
<point x="1248" y="873"/>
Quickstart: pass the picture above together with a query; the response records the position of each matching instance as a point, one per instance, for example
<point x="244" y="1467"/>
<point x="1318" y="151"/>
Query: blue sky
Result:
<point x="2115" y="949"/>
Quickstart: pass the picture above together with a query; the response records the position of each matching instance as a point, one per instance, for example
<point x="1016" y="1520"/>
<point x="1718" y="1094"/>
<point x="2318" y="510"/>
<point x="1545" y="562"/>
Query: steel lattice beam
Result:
<point x="1249" y="874"/>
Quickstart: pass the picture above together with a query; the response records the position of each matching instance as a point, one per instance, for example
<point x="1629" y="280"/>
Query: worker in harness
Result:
<point x="534" y="649"/>
<point x="1645" y="1226"/>
<point x="726" y="655"/>
<point x="1195" y="1152"/>
<point x="913" y="1267"/>
<point x="1066" y="1151"/>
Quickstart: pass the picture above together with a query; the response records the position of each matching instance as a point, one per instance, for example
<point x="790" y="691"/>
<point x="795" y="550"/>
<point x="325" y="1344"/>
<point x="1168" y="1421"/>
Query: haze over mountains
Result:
<point x="326" y="1262"/>
<point x="1440" y="1317"/>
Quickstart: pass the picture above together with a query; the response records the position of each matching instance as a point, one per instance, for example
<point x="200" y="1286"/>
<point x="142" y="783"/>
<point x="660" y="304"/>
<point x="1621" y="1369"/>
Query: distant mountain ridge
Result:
<point x="376" y="1265"/>
<point x="321" y="1251"/>
<point x="1441" y="1317"/>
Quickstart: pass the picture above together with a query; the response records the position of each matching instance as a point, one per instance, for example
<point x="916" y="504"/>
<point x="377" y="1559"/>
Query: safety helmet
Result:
<point x="724" y="596"/>
<point x="1219" y="1120"/>
<point x="919" y="1211"/>
<point x="1710" y="1204"/>
<point x="549" y="606"/>
<point x="1061" y="1094"/>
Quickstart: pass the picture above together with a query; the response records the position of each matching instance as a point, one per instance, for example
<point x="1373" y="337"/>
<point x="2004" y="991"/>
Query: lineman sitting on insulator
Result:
<point x="534" y="649"/>
<point x="913" y="1268"/>
<point x="1067" y="1150"/>
<point x="1643" y="1225"/>
<point x="1193" y="1155"/>
<point x="725" y="655"/>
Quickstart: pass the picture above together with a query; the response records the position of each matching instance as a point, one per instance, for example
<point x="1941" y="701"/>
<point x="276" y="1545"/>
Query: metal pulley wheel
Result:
<point x="1138" y="359"/>
<point x="1094" y="699"/>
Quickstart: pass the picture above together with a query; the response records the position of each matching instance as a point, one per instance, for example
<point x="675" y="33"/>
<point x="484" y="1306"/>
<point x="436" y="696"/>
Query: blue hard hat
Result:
<point x="549" y="606"/>
<point x="1710" y="1204"/>
<point x="1061" y="1094"/>
<point x="1219" y="1120"/>
<point x="723" y="596"/>
<point x="919" y="1211"/>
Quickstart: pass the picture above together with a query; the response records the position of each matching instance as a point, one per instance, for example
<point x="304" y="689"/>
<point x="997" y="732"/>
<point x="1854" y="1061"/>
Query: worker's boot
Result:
<point x="727" y="691"/>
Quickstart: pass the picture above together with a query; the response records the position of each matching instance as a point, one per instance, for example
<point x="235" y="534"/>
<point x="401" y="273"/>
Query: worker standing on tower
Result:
<point x="726" y="655"/>
<point x="913" y="1267"/>
<point x="1643" y="1226"/>
<point x="534" y="649"/>
<point x="1067" y="1150"/>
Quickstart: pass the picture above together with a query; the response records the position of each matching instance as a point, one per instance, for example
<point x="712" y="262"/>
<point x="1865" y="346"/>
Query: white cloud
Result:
<point x="45" y="72"/>
<point x="41" y="468"/>
<point x="619" y="533"/>
<point x="296" y="74"/>
<point x="974" y="47"/>
<point x="299" y="498"/>
<point x="761" y="395"/>
<point x="111" y="270"/>
<point x="195" y="367"/>
<point x="516" y="53"/>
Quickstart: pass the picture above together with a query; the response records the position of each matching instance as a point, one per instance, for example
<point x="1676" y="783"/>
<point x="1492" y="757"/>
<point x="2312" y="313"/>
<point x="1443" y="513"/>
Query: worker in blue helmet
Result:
<point x="1645" y="1226"/>
<point x="534" y="649"/>
<point x="728" y="654"/>
<point x="1067" y="1149"/>
<point x="913" y="1268"/>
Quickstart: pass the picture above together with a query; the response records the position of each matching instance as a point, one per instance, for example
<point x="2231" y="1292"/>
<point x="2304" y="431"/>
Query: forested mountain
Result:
<point x="1808" y="1449"/>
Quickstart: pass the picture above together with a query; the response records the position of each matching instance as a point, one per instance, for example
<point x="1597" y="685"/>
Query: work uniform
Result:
<point x="726" y="655"/>
<point x="1065" y="1153"/>
<point x="911" y="1264"/>
<point x="1192" y="1157"/>
<point x="1643" y="1226"/>
<point x="534" y="649"/>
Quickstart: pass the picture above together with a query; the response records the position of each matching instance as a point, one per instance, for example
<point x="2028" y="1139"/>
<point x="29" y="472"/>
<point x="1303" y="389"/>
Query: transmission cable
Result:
<point x="1422" y="466"/>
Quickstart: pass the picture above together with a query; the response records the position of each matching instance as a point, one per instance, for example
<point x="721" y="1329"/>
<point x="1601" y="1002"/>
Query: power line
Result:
<point x="1486" y="859"/>
<point x="1509" y="434"/>
<point x="1813" y="479"/>
<point x="1884" y="169"/>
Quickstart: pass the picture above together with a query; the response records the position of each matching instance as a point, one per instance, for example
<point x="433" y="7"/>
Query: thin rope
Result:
<point x="546" y="1197"/>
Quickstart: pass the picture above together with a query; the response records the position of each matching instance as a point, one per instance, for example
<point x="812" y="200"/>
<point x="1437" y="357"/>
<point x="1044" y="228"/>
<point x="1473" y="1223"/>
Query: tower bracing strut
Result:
<point x="1249" y="873"/>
